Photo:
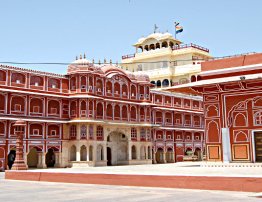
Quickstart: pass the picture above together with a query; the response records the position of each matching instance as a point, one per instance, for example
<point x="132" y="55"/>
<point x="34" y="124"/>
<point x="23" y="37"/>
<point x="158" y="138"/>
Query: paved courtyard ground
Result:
<point x="24" y="191"/>
<point x="182" y="169"/>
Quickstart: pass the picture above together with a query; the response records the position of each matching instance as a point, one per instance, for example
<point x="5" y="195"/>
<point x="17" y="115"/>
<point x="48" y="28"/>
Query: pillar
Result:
<point x="57" y="159"/>
<point x="78" y="131"/>
<point x="87" y="153"/>
<point x="138" y="152"/>
<point x="41" y="160"/>
<point x="226" y="145"/>
<point x="77" y="153"/>
<point x="94" y="153"/>
<point x="104" y="153"/>
<point x="25" y="159"/>
<point x="19" y="163"/>
<point x="164" y="156"/>
<point x="154" y="158"/>
<point x="129" y="152"/>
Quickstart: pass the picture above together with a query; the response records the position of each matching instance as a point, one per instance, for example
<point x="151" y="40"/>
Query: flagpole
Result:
<point x="175" y="30"/>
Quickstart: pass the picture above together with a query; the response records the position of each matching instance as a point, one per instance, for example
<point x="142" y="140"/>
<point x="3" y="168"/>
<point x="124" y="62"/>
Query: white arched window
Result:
<point x="83" y="132"/>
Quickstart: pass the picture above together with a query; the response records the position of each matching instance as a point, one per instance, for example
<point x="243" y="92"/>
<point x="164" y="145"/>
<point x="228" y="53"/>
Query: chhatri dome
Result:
<point x="156" y="40"/>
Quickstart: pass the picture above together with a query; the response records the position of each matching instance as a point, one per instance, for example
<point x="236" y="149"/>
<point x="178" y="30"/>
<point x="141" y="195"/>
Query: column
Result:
<point x="94" y="153"/>
<point x="226" y="145"/>
<point x="105" y="153"/>
<point x="129" y="152"/>
<point x="77" y="153"/>
<point x="25" y="159"/>
<point x="146" y="157"/>
<point x="41" y="160"/>
<point x="57" y="159"/>
<point x="164" y="156"/>
<point x="154" y="157"/>
<point x="138" y="152"/>
<point x="78" y="131"/>
<point x="87" y="153"/>
<point x="19" y="163"/>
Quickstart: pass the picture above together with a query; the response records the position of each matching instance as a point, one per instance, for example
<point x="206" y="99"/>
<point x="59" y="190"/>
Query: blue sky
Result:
<point x="58" y="30"/>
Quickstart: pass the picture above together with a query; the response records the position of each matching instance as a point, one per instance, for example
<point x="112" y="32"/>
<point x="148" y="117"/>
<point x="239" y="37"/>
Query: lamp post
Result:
<point x="19" y="163"/>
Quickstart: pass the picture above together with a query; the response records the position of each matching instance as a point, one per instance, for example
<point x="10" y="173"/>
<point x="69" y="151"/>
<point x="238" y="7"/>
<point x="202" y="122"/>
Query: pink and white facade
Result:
<point x="95" y="116"/>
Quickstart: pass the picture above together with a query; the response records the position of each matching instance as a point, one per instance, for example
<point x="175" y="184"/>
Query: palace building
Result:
<point x="96" y="115"/>
<point x="232" y="99"/>
<point x="165" y="59"/>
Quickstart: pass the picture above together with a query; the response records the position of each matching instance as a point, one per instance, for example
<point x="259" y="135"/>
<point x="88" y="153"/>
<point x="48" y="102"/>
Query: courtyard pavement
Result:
<point x="27" y="191"/>
<point x="173" y="169"/>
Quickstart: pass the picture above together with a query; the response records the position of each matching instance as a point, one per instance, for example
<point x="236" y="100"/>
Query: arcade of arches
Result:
<point x="117" y="148"/>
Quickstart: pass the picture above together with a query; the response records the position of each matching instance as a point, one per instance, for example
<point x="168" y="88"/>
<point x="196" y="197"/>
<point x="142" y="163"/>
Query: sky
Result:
<point x="59" y="30"/>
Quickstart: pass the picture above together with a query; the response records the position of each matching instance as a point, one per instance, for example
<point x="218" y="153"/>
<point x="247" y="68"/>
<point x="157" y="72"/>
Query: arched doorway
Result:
<point x="133" y="152"/>
<point x="11" y="158"/>
<point x="117" y="144"/>
<point x="91" y="153"/>
<point x="198" y="154"/>
<point x="109" y="156"/>
<point x="83" y="153"/>
<point x="50" y="158"/>
<point x="142" y="153"/>
<point x="32" y="158"/>
<point x="99" y="154"/>
<point x="160" y="155"/>
<point x="73" y="153"/>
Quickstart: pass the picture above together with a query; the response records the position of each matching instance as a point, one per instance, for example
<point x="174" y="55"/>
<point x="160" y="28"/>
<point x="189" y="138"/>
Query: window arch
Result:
<point x="124" y="90"/>
<point x="73" y="132"/>
<point x="53" y="107"/>
<point x="213" y="132"/>
<point x="117" y="112"/>
<point x="83" y="111"/>
<point x="83" y="132"/>
<point x="133" y="152"/>
<point x="240" y="120"/>
<point x="109" y="88"/>
<point x="73" y="108"/>
<point x="133" y="91"/>
<point x="99" y="110"/>
<point x="109" y="111"/>
<point x="99" y="133"/>
<point x="116" y="89"/>
<point x="124" y="113"/>
<point x="165" y="83"/>
<point x="133" y="133"/>
<point x="133" y="113"/>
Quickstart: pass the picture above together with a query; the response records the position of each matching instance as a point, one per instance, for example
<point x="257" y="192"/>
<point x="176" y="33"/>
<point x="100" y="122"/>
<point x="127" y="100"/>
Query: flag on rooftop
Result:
<point x="179" y="29"/>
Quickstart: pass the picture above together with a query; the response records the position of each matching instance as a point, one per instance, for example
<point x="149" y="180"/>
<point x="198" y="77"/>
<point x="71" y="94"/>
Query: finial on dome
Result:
<point x="76" y="58"/>
<point x="93" y="61"/>
<point x="84" y="56"/>
<point x="116" y="62"/>
<point x="110" y="62"/>
<point x="80" y="57"/>
<point x="104" y="61"/>
<point x="99" y="62"/>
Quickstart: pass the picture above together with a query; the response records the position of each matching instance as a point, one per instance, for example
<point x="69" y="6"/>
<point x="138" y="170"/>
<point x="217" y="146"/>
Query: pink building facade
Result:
<point x="78" y="119"/>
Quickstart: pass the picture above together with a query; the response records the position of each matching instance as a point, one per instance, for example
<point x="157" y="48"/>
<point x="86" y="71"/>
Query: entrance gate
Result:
<point x="258" y="146"/>
<point x="117" y="149"/>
